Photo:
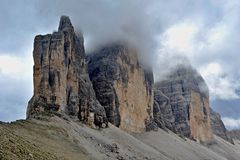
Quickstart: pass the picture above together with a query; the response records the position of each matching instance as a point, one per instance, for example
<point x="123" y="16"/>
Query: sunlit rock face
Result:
<point x="61" y="80"/>
<point x="122" y="86"/>
<point x="218" y="126"/>
<point x="181" y="104"/>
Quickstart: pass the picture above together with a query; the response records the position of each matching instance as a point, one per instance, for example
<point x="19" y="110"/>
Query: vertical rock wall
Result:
<point x="182" y="104"/>
<point x="61" y="80"/>
<point x="199" y="111"/>
<point x="122" y="86"/>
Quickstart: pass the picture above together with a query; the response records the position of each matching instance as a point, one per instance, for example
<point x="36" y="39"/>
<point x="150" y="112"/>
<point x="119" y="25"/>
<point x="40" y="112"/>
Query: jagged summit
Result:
<point x="61" y="80"/>
<point x="65" y="24"/>
<point x="182" y="104"/>
<point x="186" y="73"/>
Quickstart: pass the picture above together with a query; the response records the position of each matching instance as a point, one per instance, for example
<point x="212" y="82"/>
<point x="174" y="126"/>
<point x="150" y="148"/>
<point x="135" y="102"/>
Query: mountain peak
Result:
<point x="61" y="81"/>
<point x="65" y="23"/>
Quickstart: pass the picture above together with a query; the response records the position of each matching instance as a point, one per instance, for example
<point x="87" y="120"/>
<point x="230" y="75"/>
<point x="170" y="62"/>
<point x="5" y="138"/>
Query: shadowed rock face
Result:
<point x="61" y="80"/>
<point x="234" y="134"/>
<point x="218" y="127"/>
<point x="181" y="104"/>
<point x="122" y="86"/>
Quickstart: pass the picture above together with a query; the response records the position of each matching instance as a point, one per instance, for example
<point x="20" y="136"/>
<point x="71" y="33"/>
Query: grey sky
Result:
<point x="166" y="33"/>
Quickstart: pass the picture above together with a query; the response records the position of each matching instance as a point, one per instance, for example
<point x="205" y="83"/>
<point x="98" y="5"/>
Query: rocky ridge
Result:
<point x="218" y="127"/>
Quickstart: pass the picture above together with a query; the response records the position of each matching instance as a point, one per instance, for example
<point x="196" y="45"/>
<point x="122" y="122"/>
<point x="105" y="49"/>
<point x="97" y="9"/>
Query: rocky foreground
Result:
<point x="54" y="137"/>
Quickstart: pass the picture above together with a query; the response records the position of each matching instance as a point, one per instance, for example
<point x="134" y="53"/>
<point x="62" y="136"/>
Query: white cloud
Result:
<point x="211" y="69"/>
<point x="179" y="38"/>
<point x="14" y="96"/>
<point x="16" y="85"/>
<point x="231" y="123"/>
<point x="17" y="67"/>
<point x="201" y="46"/>
<point x="221" y="86"/>
<point x="217" y="35"/>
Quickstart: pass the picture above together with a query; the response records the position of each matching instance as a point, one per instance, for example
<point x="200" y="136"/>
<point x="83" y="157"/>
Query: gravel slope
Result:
<point x="62" y="138"/>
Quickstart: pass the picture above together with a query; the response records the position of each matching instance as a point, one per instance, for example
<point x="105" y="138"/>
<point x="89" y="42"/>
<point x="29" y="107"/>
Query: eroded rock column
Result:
<point x="61" y="80"/>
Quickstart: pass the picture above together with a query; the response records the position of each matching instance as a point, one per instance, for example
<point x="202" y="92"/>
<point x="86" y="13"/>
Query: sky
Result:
<point x="204" y="33"/>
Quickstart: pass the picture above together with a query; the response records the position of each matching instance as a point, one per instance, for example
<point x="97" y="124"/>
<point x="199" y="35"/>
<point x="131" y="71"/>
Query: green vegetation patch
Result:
<point x="14" y="147"/>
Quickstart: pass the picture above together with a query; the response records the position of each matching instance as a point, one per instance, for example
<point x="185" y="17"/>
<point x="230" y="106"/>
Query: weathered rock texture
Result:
<point x="181" y="104"/>
<point x="218" y="127"/>
<point x="61" y="80"/>
<point x="122" y="86"/>
<point x="234" y="134"/>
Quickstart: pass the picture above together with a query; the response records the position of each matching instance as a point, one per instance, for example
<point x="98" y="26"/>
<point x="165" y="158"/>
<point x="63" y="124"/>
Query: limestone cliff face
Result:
<point x="218" y="127"/>
<point x="122" y="86"/>
<point x="181" y="104"/>
<point x="61" y="80"/>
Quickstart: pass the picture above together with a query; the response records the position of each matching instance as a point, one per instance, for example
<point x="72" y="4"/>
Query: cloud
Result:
<point x="14" y="96"/>
<point x="208" y="38"/>
<point x="103" y="21"/>
<point x="179" y="38"/>
<point x="16" y="67"/>
<point x="221" y="85"/>
<point x="17" y="25"/>
<point x="231" y="123"/>
<point x="20" y="23"/>
<point x="138" y="22"/>
<point x="16" y="85"/>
